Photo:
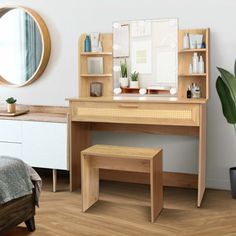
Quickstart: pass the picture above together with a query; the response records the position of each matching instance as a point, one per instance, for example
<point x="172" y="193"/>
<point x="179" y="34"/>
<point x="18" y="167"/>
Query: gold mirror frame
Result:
<point x="46" y="45"/>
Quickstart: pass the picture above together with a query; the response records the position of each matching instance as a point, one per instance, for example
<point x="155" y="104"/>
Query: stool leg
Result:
<point x="156" y="185"/>
<point x="89" y="182"/>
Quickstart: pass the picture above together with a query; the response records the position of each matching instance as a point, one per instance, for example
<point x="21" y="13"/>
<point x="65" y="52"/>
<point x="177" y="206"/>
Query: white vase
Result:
<point x="134" y="84"/>
<point x="124" y="82"/>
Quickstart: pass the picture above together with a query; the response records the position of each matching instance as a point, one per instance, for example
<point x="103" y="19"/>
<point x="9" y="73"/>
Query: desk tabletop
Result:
<point x="143" y="99"/>
<point x="39" y="113"/>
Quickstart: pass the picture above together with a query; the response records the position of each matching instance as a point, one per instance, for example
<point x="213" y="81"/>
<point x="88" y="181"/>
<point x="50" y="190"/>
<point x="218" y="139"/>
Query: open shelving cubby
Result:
<point x="85" y="79"/>
<point x="185" y="58"/>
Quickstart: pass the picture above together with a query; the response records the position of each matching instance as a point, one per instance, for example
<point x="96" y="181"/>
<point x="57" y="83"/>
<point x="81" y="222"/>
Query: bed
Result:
<point x="17" y="211"/>
<point x="19" y="192"/>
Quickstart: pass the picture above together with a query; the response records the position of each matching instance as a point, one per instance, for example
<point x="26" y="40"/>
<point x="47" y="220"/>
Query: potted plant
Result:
<point x="124" y="75"/>
<point x="226" y="88"/>
<point x="11" y="105"/>
<point x="134" y="83"/>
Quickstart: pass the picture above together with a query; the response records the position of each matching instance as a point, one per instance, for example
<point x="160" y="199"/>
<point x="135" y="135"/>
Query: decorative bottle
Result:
<point x="186" y="41"/>
<point x="87" y="44"/>
<point x="195" y="63"/>
<point x="201" y="66"/>
<point x="189" y="93"/>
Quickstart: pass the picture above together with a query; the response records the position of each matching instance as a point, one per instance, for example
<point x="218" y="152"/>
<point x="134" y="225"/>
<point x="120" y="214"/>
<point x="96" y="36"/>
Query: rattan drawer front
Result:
<point x="132" y="113"/>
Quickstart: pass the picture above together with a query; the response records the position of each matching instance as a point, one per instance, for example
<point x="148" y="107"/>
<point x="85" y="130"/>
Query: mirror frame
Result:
<point x="46" y="45"/>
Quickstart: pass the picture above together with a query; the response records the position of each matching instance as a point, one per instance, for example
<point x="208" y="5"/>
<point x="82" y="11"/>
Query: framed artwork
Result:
<point x="95" y="65"/>
<point x="141" y="56"/>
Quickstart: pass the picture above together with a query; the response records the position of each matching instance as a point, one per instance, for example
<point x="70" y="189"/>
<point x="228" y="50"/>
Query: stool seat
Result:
<point x="121" y="151"/>
<point x="146" y="160"/>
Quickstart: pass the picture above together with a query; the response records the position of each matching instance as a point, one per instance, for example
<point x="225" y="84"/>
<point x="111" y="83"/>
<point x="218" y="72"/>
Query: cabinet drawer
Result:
<point x="136" y="113"/>
<point x="45" y="144"/>
<point x="10" y="131"/>
<point x="10" y="149"/>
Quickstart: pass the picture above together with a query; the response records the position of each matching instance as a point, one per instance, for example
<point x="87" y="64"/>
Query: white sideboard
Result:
<point x="44" y="144"/>
<point x="39" y="144"/>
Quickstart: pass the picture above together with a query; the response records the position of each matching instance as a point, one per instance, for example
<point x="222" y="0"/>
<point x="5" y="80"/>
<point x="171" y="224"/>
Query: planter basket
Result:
<point x="232" y="174"/>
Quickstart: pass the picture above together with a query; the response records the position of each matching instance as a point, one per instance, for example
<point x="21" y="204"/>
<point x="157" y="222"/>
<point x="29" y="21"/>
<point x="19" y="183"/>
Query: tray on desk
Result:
<point x="17" y="113"/>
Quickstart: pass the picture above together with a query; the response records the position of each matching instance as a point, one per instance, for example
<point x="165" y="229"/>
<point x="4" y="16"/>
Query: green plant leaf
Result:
<point x="230" y="81"/>
<point x="235" y="68"/>
<point x="227" y="102"/>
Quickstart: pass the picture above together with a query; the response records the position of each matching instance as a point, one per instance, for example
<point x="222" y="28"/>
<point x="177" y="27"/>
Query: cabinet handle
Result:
<point x="129" y="105"/>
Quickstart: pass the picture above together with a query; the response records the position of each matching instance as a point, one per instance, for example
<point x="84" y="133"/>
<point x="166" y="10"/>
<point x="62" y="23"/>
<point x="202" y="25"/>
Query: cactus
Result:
<point x="123" y="69"/>
<point x="11" y="100"/>
<point x="134" y="76"/>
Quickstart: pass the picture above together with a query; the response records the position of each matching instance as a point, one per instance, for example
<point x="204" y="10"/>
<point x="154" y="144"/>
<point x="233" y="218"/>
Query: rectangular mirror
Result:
<point x="149" y="48"/>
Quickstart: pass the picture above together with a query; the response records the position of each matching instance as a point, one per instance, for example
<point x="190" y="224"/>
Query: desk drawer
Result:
<point x="136" y="113"/>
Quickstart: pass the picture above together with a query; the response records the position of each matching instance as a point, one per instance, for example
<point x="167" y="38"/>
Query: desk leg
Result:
<point x="202" y="156"/>
<point x="90" y="183"/>
<point x="79" y="140"/>
<point x="156" y="186"/>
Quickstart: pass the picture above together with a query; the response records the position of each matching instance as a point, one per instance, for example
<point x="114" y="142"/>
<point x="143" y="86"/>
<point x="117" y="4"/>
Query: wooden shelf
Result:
<point x="95" y="75"/>
<point x="96" y="53"/>
<point x="193" y="50"/>
<point x="85" y="79"/>
<point x="185" y="59"/>
<point x="193" y="75"/>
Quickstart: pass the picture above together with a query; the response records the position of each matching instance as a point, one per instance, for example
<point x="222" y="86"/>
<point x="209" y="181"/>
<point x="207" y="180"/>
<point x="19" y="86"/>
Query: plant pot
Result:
<point x="232" y="175"/>
<point x="124" y="82"/>
<point x="134" y="84"/>
<point x="11" y="108"/>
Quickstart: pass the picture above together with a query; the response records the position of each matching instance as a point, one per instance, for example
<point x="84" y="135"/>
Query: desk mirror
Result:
<point x="149" y="51"/>
<point x="24" y="46"/>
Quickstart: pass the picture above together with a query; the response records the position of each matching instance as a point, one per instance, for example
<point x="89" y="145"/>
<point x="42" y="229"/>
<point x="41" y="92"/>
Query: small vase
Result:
<point x="11" y="108"/>
<point x="134" y="84"/>
<point x="124" y="82"/>
<point x="87" y="44"/>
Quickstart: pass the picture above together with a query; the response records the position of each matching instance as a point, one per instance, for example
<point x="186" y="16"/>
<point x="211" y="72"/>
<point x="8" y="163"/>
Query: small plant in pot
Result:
<point x="11" y="105"/>
<point x="134" y="83"/>
<point x="124" y="82"/>
<point x="226" y="88"/>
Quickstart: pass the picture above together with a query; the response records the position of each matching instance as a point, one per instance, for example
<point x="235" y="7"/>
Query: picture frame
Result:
<point x="95" y="65"/>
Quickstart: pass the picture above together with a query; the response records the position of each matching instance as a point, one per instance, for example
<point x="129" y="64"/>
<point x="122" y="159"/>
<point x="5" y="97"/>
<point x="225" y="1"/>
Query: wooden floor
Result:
<point x="123" y="209"/>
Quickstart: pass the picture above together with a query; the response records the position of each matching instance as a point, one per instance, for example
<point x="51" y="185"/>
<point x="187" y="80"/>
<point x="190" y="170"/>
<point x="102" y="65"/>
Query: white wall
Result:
<point x="66" y="20"/>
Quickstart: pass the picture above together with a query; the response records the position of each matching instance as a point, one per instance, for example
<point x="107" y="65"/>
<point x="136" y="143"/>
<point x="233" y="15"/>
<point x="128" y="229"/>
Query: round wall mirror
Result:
<point x="24" y="46"/>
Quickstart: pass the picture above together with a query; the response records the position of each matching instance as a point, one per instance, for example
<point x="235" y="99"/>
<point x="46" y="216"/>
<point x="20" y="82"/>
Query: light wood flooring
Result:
<point x="123" y="209"/>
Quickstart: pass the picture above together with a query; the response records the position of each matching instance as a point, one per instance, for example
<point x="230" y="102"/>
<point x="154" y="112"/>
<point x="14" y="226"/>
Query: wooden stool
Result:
<point x="146" y="160"/>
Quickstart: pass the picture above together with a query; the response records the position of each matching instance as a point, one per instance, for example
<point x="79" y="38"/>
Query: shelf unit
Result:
<point x="106" y="79"/>
<point x="95" y="75"/>
<point x="185" y="58"/>
<point x="95" y="53"/>
<point x="192" y="75"/>
<point x="192" y="50"/>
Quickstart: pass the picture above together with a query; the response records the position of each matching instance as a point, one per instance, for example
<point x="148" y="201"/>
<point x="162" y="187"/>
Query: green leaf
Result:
<point x="227" y="102"/>
<point x="230" y="81"/>
<point x="235" y="68"/>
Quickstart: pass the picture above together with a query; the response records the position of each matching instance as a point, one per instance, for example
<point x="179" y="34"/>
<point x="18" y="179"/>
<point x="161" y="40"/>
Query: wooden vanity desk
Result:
<point x="154" y="115"/>
<point x="145" y="114"/>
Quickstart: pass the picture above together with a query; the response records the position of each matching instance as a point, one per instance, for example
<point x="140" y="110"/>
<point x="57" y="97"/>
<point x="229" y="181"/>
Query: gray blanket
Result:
<point x="15" y="179"/>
